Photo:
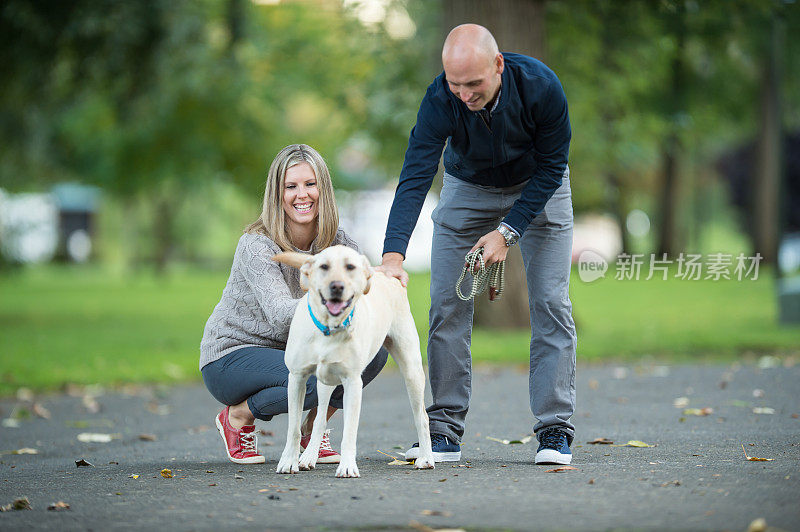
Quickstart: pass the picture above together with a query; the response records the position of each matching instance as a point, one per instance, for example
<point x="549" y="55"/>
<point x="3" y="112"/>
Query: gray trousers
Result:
<point x="465" y="213"/>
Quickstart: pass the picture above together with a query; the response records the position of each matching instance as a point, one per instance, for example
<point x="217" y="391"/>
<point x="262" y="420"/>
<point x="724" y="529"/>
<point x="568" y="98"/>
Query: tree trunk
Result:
<point x="617" y="189"/>
<point x="163" y="232"/>
<point x="766" y="185"/>
<point x="518" y="26"/>
<point x="671" y="148"/>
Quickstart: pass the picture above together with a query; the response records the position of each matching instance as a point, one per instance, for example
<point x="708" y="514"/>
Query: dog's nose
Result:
<point x="336" y="288"/>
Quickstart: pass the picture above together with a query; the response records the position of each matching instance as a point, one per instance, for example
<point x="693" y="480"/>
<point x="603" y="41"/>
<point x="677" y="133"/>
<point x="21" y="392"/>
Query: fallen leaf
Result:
<point x="266" y="432"/>
<point x="562" y="469"/>
<point x="166" y="473"/>
<point x="591" y="481"/>
<point x="594" y="384"/>
<point x="41" y="411"/>
<point x="18" y="504"/>
<point x="680" y="402"/>
<point x="758" y="525"/>
<point x="416" y="525"/>
<point x="25" y="394"/>
<point x="671" y="483"/>
<point x="96" y="437"/>
<point x="438" y="513"/>
<point x="22" y="504"/>
<point x="58" y="506"/>
<point x="763" y="410"/>
<point x="769" y="361"/>
<point x="633" y="443"/>
<point x="161" y="410"/>
<point x="134" y="477"/>
<point x="600" y="441"/>
<point x="147" y="437"/>
<point x="698" y="411"/>
<point x="24" y="450"/>
<point x="395" y="460"/>
<point x="263" y="490"/>
<point x="212" y="484"/>
<point x="90" y="404"/>
<point x="754" y="459"/>
<point x="524" y="440"/>
<point x="795" y="416"/>
<point x="82" y="463"/>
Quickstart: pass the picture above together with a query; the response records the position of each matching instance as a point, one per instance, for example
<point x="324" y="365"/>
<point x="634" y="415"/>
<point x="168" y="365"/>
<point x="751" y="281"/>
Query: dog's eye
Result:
<point x="324" y="267"/>
<point x="350" y="267"/>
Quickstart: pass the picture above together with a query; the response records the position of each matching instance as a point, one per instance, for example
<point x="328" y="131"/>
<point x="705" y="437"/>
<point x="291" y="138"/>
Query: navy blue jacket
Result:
<point x="529" y="139"/>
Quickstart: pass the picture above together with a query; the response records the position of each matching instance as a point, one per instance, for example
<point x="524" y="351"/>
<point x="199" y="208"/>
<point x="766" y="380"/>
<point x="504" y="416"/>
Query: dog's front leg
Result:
<point x="296" y="391"/>
<point x="309" y="458"/>
<point x="352" y="410"/>
<point x="408" y="358"/>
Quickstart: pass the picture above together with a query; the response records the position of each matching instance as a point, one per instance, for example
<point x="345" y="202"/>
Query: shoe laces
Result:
<point x="326" y="442"/>
<point x="552" y="439"/>
<point x="437" y="439"/>
<point x="248" y="441"/>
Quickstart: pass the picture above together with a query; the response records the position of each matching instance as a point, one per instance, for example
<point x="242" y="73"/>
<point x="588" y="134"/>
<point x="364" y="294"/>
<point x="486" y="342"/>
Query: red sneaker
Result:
<point x="326" y="453"/>
<point x="239" y="444"/>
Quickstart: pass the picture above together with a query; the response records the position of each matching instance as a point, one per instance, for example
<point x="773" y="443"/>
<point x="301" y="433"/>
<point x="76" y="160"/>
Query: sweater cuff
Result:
<point x="395" y="245"/>
<point x="516" y="221"/>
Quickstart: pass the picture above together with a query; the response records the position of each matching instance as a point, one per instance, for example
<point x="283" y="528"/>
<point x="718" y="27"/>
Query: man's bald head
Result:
<point x="469" y="42"/>
<point x="472" y="65"/>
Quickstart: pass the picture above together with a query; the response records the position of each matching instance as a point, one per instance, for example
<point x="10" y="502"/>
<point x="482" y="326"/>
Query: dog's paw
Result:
<point x="308" y="460"/>
<point x="424" y="463"/>
<point x="347" y="469"/>
<point x="287" y="465"/>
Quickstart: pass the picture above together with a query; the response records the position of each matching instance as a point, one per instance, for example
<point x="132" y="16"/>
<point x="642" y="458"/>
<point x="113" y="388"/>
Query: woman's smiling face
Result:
<point x="300" y="195"/>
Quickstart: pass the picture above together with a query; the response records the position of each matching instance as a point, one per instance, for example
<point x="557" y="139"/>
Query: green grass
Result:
<point x="84" y="325"/>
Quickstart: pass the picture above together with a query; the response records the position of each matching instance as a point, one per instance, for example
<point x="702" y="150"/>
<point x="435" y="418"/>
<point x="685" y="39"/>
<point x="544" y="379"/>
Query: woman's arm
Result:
<point x="265" y="279"/>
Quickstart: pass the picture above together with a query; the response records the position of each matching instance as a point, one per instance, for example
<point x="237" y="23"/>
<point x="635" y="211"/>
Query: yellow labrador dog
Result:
<point x="347" y="314"/>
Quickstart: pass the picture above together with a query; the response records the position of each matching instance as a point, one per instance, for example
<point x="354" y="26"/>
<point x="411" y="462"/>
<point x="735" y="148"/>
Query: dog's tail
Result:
<point x="292" y="258"/>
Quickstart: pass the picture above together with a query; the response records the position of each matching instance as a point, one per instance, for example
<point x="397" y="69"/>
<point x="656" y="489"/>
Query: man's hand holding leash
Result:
<point x="494" y="247"/>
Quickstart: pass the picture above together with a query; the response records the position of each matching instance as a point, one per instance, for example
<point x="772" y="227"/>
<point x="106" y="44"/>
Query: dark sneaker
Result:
<point x="553" y="448"/>
<point x="444" y="449"/>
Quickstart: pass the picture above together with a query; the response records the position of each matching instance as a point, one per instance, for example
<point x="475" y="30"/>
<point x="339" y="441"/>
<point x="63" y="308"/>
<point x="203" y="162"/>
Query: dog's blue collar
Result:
<point x="327" y="331"/>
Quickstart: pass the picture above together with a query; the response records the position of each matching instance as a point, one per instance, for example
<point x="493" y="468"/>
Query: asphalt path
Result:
<point x="696" y="476"/>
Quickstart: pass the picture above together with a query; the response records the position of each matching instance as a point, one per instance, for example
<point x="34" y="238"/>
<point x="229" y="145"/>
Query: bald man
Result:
<point x="504" y="119"/>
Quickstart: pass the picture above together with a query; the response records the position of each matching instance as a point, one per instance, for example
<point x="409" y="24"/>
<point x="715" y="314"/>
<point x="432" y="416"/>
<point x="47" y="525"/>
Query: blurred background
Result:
<point x="135" y="138"/>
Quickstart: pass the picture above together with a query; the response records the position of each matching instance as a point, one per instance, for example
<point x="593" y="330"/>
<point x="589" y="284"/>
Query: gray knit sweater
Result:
<point x="258" y="303"/>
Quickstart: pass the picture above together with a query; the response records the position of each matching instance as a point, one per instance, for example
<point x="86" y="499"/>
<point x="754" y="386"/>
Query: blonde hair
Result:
<point x="272" y="221"/>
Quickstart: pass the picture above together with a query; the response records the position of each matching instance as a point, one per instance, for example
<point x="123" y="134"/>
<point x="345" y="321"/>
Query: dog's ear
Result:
<point x="367" y="274"/>
<point x="297" y="260"/>
<point x="292" y="258"/>
<point x="305" y="271"/>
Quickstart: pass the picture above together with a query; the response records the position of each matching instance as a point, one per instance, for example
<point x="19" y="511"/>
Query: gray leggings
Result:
<point x="259" y="375"/>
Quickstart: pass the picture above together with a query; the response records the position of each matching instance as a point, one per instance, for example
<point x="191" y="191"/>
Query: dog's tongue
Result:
<point x="335" y="307"/>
